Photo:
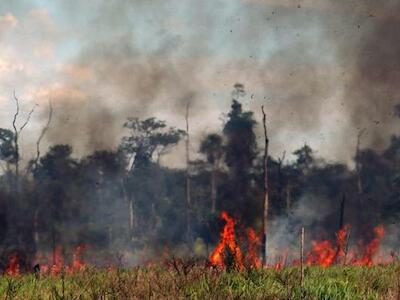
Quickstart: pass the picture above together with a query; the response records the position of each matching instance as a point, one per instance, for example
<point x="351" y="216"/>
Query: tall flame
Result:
<point x="227" y="243"/>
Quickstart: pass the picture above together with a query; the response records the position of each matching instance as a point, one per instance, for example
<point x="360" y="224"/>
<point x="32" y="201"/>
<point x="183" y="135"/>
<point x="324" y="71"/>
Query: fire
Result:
<point x="59" y="266"/>
<point x="13" y="268"/>
<point x="58" y="261"/>
<point x="323" y="253"/>
<point x="341" y="237"/>
<point x="281" y="261"/>
<point x="227" y="244"/>
<point x="77" y="263"/>
<point x="372" y="248"/>
<point x="254" y="241"/>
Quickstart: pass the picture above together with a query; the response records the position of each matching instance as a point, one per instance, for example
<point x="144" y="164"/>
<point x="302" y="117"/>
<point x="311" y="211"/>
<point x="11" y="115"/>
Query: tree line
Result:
<point x="125" y="200"/>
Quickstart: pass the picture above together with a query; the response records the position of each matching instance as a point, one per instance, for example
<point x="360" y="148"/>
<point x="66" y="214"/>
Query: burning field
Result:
<point x="213" y="149"/>
<point x="328" y="270"/>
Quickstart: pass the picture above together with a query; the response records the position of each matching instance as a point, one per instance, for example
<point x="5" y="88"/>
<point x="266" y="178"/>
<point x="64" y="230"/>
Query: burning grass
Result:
<point x="198" y="281"/>
<point x="233" y="271"/>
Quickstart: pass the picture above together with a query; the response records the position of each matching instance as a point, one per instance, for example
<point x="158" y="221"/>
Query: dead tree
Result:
<point x="17" y="132"/>
<point x="188" y="193"/>
<point x="266" y="188"/>
<point x="280" y="180"/>
<point x="34" y="164"/>
<point x="358" y="164"/>
<point x="35" y="161"/>
<point x="214" y="188"/>
<point x="341" y="212"/>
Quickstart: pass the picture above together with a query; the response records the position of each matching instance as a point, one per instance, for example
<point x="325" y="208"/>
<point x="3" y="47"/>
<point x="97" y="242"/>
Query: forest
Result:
<point x="124" y="204"/>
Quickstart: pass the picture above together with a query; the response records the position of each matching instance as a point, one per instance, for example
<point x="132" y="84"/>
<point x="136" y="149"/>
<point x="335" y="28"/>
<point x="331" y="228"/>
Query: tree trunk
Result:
<point x="131" y="217"/>
<point x="288" y="199"/>
<point x="188" y="197"/>
<point x="214" y="189"/>
<point x="129" y="201"/>
<point x="35" y="228"/>
<point x="341" y="212"/>
<point x="266" y="189"/>
<point x="359" y="166"/>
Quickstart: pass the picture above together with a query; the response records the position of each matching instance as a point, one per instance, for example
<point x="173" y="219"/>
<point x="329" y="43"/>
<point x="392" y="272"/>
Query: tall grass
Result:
<point x="180" y="281"/>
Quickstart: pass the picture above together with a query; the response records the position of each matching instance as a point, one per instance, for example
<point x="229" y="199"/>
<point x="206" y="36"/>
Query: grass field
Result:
<point x="184" y="281"/>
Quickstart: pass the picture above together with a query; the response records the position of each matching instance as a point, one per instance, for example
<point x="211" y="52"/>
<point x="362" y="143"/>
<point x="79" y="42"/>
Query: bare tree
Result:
<point x="34" y="164"/>
<point x="188" y="194"/>
<point x="266" y="188"/>
<point x="358" y="163"/>
<point x="17" y="132"/>
<point x="280" y="178"/>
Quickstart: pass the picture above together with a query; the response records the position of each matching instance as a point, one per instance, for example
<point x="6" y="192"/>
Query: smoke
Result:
<point x="372" y="89"/>
<point x="111" y="77"/>
<point x="311" y="212"/>
<point x="322" y="70"/>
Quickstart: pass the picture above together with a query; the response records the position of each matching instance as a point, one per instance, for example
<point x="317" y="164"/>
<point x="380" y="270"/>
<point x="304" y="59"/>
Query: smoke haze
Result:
<point x="324" y="70"/>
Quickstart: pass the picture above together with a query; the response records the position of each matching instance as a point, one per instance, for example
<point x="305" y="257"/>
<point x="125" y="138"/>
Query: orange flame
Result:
<point x="324" y="253"/>
<point x="254" y="241"/>
<point x="227" y="243"/>
<point x="372" y="248"/>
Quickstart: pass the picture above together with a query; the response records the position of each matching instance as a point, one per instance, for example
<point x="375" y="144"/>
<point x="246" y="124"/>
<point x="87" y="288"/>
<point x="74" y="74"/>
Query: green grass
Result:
<point x="199" y="282"/>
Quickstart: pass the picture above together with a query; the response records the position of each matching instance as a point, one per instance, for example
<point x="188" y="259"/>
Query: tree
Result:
<point x="212" y="148"/>
<point x="145" y="137"/>
<point x="305" y="158"/>
<point x="56" y="177"/>
<point x="101" y="173"/>
<point x="266" y="187"/>
<point x="240" y="152"/>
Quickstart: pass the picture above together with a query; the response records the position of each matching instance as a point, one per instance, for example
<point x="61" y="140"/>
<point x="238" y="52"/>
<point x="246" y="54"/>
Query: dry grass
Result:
<point x="178" y="280"/>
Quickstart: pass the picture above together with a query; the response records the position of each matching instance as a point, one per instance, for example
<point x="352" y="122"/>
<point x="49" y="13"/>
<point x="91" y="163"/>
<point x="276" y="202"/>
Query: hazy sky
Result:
<point x="102" y="61"/>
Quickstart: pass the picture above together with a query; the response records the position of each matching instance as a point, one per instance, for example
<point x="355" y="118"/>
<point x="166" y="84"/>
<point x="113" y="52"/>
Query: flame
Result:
<point x="281" y="261"/>
<point x="323" y="253"/>
<point x="77" y="263"/>
<point x="341" y="237"/>
<point x="13" y="268"/>
<point x="372" y="248"/>
<point x="254" y="241"/>
<point x="58" y="263"/>
<point x="227" y="243"/>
